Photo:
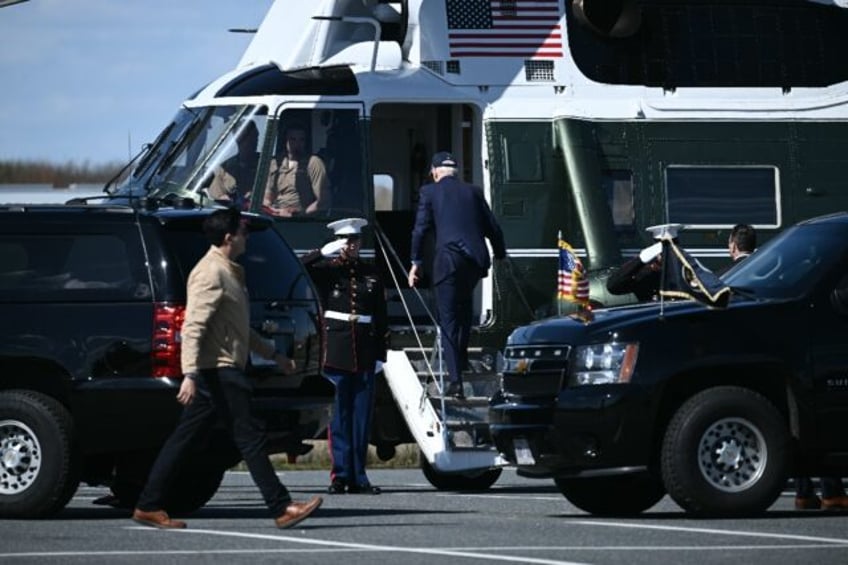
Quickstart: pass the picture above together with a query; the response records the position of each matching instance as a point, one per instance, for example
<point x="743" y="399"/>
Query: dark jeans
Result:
<point x="221" y="393"/>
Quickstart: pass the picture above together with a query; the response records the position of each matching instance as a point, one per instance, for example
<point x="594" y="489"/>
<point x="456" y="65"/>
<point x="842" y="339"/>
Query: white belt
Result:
<point x="360" y="318"/>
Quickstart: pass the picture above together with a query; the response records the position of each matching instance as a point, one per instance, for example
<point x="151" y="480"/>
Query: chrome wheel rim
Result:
<point x="20" y="457"/>
<point x="732" y="454"/>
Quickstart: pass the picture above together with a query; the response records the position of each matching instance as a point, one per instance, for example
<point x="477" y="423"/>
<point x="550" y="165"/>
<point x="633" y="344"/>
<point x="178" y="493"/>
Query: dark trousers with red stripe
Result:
<point x="350" y="427"/>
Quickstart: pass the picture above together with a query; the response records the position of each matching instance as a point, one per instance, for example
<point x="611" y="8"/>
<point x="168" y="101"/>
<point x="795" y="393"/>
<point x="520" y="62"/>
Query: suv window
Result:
<point x="88" y="267"/>
<point x="273" y="271"/>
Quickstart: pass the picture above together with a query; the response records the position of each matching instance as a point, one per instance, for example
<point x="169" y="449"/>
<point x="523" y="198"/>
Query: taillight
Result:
<point x="165" y="355"/>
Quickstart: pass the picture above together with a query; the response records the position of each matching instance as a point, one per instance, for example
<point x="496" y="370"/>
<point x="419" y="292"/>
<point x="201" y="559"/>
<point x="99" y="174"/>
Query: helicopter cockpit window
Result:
<point x="217" y="157"/>
<point x="316" y="167"/>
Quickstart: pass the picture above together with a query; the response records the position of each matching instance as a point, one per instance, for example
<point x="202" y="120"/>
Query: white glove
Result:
<point x="333" y="248"/>
<point x="378" y="367"/>
<point x="650" y="253"/>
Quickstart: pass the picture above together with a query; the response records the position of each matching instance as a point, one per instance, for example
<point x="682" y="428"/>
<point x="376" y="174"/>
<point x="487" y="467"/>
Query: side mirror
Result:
<point x="839" y="297"/>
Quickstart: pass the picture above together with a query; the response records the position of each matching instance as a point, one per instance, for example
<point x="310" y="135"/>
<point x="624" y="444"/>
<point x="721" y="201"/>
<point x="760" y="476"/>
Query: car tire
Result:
<point x="620" y="495"/>
<point x="725" y="453"/>
<point x="39" y="471"/>
<point x="195" y="482"/>
<point x="192" y="488"/>
<point x="465" y="482"/>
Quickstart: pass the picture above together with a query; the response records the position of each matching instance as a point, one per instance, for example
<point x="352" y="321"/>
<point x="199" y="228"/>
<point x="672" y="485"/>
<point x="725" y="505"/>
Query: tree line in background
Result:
<point x="60" y="175"/>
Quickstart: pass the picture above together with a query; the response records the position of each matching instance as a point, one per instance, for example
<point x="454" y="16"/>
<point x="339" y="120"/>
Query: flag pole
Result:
<point x="559" y="252"/>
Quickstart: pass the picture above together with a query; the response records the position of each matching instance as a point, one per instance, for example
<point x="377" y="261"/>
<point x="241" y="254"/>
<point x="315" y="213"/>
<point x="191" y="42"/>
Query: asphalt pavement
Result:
<point x="518" y="520"/>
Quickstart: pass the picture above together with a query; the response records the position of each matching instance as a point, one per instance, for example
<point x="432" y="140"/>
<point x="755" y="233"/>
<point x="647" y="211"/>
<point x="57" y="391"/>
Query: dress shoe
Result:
<point x="455" y="390"/>
<point x="364" y="489"/>
<point x="807" y="502"/>
<point x="835" y="503"/>
<point x="157" y="519"/>
<point x="297" y="512"/>
<point x="336" y="487"/>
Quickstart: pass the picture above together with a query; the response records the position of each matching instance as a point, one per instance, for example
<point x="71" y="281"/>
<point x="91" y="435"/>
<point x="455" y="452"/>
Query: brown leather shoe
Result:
<point x="157" y="519"/>
<point x="297" y="512"/>
<point x="835" y="503"/>
<point x="807" y="502"/>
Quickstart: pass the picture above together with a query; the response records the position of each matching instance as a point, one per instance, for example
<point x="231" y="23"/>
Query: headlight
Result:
<point x="605" y="363"/>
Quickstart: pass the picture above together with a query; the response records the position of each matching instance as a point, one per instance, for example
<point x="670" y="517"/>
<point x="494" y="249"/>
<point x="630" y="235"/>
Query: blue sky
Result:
<point x="86" y="80"/>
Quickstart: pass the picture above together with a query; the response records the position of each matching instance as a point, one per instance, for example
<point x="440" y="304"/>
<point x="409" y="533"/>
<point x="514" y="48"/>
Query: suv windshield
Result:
<point x="790" y="263"/>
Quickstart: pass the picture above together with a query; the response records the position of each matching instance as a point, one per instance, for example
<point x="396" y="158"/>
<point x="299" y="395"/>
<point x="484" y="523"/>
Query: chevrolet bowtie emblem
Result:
<point x="522" y="366"/>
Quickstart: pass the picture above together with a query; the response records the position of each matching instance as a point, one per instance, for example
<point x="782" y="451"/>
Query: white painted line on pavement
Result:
<point x="284" y="551"/>
<point x="841" y="541"/>
<point x="383" y="548"/>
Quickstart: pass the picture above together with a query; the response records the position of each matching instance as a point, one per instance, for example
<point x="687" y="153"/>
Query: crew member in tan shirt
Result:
<point x="298" y="184"/>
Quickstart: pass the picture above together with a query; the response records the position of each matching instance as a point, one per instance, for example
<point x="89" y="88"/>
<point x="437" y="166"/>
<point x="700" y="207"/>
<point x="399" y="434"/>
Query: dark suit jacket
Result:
<point x="721" y="270"/>
<point x="462" y="220"/>
<point x="636" y="277"/>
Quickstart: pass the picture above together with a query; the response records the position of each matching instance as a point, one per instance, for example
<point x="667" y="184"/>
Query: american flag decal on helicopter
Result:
<point x="505" y="28"/>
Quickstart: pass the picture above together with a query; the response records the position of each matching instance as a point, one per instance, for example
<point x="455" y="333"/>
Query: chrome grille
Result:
<point x="535" y="370"/>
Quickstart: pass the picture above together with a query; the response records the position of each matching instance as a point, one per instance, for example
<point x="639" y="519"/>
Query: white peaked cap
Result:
<point x="665" y="231"/>
<point x="348" y="226"/>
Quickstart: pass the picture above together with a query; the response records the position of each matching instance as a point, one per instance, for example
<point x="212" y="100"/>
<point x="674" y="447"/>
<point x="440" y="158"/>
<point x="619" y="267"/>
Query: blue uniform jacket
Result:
<point x="461" y="218"/>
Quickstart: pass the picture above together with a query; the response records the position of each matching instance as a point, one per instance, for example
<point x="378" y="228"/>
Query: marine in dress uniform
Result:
<point x="642" y="274"/>
<point x="355" y="328"/>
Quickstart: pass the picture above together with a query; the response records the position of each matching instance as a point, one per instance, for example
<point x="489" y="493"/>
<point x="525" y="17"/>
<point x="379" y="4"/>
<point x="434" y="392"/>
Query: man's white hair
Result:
<point x="446" y="171"/>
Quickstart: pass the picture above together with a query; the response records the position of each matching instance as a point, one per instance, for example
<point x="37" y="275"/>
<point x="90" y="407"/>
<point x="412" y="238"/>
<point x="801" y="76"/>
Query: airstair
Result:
<point x="452" y="434"/>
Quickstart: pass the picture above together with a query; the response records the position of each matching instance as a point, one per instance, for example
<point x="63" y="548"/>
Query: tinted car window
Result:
<point x="273" y="271"/>
<point x="80" y="267"/>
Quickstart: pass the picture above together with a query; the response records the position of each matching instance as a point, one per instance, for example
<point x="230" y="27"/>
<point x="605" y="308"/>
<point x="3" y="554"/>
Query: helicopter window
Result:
<point x="756" y="43"/>
<point x="198" y="156"/>
<point x="618" y="185"/>
<point x="231" y="173"/>
<point x="523" y="160"/>
<point x="317" y="165"/>
<point x="384" y="188"/>
<point x="710" y="197"/>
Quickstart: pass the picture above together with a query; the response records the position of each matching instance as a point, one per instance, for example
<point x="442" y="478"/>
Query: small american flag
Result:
<point x="573" y="284"/>
<point x="505" y="28"/>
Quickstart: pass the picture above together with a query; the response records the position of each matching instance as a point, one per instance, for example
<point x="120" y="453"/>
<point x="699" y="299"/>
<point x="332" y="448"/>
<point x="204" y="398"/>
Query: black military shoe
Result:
<point x="364" y="489"/>
<point x="336" y="487"/>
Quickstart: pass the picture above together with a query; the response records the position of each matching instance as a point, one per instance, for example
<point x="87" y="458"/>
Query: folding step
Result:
<point x="454" y="444"/>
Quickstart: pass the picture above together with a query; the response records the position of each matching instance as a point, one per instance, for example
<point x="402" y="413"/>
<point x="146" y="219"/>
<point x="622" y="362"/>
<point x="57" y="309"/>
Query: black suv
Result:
<point x="716" y="407"/>
<point x="91" y="302"/>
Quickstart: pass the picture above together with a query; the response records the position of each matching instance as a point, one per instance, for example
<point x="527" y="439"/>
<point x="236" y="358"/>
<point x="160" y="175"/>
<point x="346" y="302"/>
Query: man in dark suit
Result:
<point x="740" y="245"/>
<point x="462" y="220"/>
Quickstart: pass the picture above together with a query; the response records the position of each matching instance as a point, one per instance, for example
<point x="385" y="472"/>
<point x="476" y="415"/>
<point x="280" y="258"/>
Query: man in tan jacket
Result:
<point x="216" y="339"/>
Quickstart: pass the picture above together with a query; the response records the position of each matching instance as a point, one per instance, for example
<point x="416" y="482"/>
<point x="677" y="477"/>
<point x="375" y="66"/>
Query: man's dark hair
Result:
<point x="744" y="237"/>
<point x="294" y="126"/>
<point x="220" y="223"/>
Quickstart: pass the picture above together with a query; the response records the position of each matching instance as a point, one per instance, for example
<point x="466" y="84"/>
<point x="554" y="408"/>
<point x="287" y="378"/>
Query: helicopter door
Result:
<point x="404" y="138"/>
